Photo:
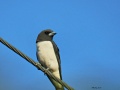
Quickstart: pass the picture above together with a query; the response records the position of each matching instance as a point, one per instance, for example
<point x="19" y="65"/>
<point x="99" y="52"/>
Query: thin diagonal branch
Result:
<point x="37" y="65"/>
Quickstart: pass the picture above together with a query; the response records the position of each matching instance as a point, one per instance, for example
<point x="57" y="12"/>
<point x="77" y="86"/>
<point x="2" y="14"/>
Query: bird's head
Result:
<point x="45" y="35"/>
<point x="49" y="33"/>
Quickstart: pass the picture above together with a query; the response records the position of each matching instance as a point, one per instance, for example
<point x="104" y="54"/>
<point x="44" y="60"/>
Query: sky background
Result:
<point x="88" y="36"/>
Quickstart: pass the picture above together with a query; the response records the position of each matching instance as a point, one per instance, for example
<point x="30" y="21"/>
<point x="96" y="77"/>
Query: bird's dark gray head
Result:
<point x="45" y="35"/>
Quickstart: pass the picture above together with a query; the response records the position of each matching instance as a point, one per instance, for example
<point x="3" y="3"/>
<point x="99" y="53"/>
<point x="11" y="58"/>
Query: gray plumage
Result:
<point x="48" y="55"/>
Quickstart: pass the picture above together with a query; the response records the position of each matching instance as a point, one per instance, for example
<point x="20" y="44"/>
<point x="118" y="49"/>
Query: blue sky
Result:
<point x="88" y="36"/>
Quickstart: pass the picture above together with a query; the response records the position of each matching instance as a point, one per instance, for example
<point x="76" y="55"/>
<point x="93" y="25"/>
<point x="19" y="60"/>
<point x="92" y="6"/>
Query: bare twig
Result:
<point x="37" y="65"/>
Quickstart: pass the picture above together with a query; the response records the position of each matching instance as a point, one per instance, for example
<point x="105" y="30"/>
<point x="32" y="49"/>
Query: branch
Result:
<point x="37" y="65"/>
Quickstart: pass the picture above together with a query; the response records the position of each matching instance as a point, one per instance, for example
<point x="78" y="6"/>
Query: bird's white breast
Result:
<point x="46" y="55"/>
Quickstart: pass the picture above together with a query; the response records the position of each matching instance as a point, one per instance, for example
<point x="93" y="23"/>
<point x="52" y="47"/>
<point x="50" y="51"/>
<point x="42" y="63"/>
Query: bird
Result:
<point x="48" y="55"/>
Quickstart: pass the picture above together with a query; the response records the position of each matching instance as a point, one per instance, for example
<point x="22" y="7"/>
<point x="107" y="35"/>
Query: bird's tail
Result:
<point x="56" y="84"/>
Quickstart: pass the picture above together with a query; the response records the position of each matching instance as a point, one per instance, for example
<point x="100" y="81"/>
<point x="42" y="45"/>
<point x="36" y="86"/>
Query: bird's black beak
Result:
<point x="52" y="33"/>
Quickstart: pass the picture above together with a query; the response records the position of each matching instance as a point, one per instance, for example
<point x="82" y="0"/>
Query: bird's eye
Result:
<point x="46" y="32"/>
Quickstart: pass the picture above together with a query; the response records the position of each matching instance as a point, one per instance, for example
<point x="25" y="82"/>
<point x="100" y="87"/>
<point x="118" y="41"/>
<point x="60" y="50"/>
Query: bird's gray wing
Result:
<point x="56" y="49"/>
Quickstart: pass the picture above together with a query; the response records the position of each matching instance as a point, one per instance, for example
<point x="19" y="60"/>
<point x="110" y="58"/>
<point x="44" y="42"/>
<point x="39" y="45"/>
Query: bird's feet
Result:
<point x="45" y="71"/>
<point x="37" y="63"/>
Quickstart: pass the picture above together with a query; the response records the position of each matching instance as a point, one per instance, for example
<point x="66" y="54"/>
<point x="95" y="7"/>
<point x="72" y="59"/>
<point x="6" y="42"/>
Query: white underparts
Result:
<point x="47" y="57"/>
